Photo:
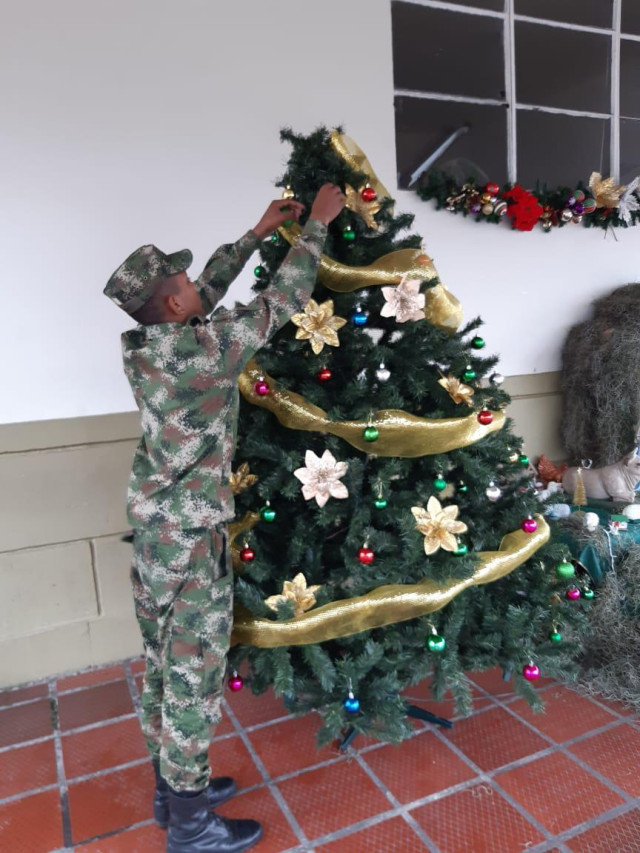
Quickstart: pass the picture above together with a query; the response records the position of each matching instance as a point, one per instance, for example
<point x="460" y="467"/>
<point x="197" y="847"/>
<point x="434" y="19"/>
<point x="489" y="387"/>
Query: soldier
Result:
<point x="183" y="369"/>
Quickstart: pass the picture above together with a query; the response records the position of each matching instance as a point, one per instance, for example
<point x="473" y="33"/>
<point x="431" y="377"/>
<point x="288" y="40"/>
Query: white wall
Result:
<point x="134" y="121"/>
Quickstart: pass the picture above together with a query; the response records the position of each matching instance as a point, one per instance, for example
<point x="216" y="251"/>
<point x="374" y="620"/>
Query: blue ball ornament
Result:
<point x="351" y="704"/>
<point x="359" y="318"/>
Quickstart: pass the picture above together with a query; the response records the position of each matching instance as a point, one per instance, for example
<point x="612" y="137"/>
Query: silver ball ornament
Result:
<point x="493" y="492"/>
<point x="497" y="379"/>
<point x="383" y="373"/>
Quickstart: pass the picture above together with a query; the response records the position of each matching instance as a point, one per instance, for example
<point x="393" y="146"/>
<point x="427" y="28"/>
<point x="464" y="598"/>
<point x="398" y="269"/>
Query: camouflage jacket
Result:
<point x="184" y="379"/>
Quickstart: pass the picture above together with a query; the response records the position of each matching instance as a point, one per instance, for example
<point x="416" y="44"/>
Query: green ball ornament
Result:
<point x="274" y="237"/>
<point x="461" y="550"/>
<point x="588" y="593"/>
<point x="267" y="513"/>
<point x="370" y="434"/>
<point x="523" y="459"/>
<point x="288" y="223"/>
<point x="469" y="375"/>
<point x="349" y="234"/>
<point x="477" y="342"/>
<point x="380" y="503"/>
<point x="462" y="488"/>
<point x="439" y="484"/>
<point x="565" y="570"/>
<point x="555" y="637"/>
<point x="436" y="643"/>
<point x="259" y="271"/>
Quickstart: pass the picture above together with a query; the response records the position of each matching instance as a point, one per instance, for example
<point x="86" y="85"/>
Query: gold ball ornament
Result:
<point x="485" y="197"/>
<point x="487" y="209"/>
<point x="287" y="192"/>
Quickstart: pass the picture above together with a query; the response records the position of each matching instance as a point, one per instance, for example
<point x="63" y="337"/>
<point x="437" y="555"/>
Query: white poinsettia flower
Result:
<point x="404" y="302"/>
<point x="629" y="201"/>
<point x="321" y="477"/>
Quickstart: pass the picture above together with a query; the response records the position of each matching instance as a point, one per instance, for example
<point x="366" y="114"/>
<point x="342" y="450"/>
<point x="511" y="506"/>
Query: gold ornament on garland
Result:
<point x="458" y="391"/>
<point x="438" y="525"/>
<point x="318" y="325"/>
<point x="241" y="479"/>
<point x="606" y="192"/>
<point x="580" y="493"/>
<point x="400" y="433"/>
<point x="302" y="596"/>
<point x="388" y="604"/>
<point x="366" y="210"/>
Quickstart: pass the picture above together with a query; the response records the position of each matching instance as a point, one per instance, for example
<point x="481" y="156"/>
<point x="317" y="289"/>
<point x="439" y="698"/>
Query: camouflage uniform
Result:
<point x="184" y="378"/>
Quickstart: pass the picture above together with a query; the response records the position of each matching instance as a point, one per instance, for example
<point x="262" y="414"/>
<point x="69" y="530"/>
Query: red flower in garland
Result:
<point x="524" y="208"/>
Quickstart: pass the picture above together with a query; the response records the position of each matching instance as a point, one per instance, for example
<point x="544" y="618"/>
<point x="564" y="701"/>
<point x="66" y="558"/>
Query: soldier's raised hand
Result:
<point x="328" y="203"/>
<point x="277" y="214"/>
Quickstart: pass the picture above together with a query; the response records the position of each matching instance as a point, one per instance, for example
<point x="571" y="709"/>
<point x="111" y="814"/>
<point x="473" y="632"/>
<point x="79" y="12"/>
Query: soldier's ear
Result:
<point x="175" y="306"/>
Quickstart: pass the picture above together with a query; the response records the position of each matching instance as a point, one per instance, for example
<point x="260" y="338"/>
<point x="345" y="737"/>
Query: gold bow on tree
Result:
<point x="605" y="191"/>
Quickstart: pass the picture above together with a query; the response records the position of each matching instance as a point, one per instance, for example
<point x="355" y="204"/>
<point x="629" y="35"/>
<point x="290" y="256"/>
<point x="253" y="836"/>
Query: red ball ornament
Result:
<point x="368" y="194"/>
<point x="235" y="682"/>
<point x="261" y="388"/>
<point x="366" y="555"/>
<point x="492" y="189"/>
<point x="485" y="417"/>
<point x="247" y="554"/>
<point x="531" y="672"/>
<point x="529" y="525"/>
<point x="324" y="375"/>
<point x="573" y="593"/>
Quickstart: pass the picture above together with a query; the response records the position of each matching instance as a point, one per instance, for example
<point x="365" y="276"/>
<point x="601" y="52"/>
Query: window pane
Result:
<point x="631" y="17"/>
<point x="560" y="150"/>
<point x="423" y="125"/>
<point x="493" y="5"/>
<point x="589" y="13"/>
<point x="629" y="150"/>
<point x="440" y="51"/>
<point x="563" y="68"/>
<point x="630" y="78"/>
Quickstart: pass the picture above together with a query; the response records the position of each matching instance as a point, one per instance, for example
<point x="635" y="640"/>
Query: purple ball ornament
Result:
<point x="578" y="208"/>
<point x="529" y="525"/>
<point x="531" y="672"/>
<point x="475" y="208"/>
<point x="573" y="593"/>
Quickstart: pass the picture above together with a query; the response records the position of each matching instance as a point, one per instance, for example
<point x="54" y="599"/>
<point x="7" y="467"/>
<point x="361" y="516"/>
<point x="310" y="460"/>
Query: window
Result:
<point x="517" y="90"/>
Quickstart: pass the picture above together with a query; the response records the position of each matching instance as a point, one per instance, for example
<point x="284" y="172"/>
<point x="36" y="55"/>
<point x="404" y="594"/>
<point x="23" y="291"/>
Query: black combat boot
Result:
<point x="193" y="828"/>
<point x="219" y="791"/>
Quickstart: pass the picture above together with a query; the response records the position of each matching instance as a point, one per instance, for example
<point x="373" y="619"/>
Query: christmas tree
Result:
<point x="387" y="526"/>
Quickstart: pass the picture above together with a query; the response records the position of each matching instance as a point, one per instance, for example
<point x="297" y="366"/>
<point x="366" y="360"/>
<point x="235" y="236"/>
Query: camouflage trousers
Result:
<point x="183" y="593"/>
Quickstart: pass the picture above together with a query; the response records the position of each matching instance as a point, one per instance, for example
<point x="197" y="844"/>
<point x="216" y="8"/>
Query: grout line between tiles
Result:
<point x="487" y="777"/>
<point x="275" y="791"/>
<point x="400" y="808"/>
<point x="62" y="780"/>
<point x="30" y="793"/>
<point x="561" y="747"/>
<point x="22" y="743"/>
<point x="593" y="822"/>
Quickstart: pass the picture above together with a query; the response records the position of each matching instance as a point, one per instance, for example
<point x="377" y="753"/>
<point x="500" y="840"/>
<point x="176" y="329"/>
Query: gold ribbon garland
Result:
<point x="400" y="433"/>
<point x="386" y="604"/>
<point x="442" y="309"/>
<point x="357" y="160"/>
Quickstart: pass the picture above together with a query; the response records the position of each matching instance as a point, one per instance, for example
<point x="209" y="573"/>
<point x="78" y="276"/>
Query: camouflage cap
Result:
<point x="133" y="282"/>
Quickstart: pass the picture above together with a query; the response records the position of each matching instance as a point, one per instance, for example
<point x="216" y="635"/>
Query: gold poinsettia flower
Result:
<point x="458" y="391"/>
<point x="606" y="192"/>
<point x="438" y="525"/>
<point x="366" y="210"/>
<point x="242" y="479"/>
<point x="296" y="591"/>
<point x="318" y="325"/>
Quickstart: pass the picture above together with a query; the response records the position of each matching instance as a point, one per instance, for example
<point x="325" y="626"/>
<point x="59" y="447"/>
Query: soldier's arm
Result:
<point x="227" y="262"/>
<point x="223" y="267"/>
<point x="249" y="327"/>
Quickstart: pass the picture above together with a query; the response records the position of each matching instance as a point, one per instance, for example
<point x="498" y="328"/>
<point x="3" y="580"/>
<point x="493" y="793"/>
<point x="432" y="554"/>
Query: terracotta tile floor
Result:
<point x="74" y="774"/>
